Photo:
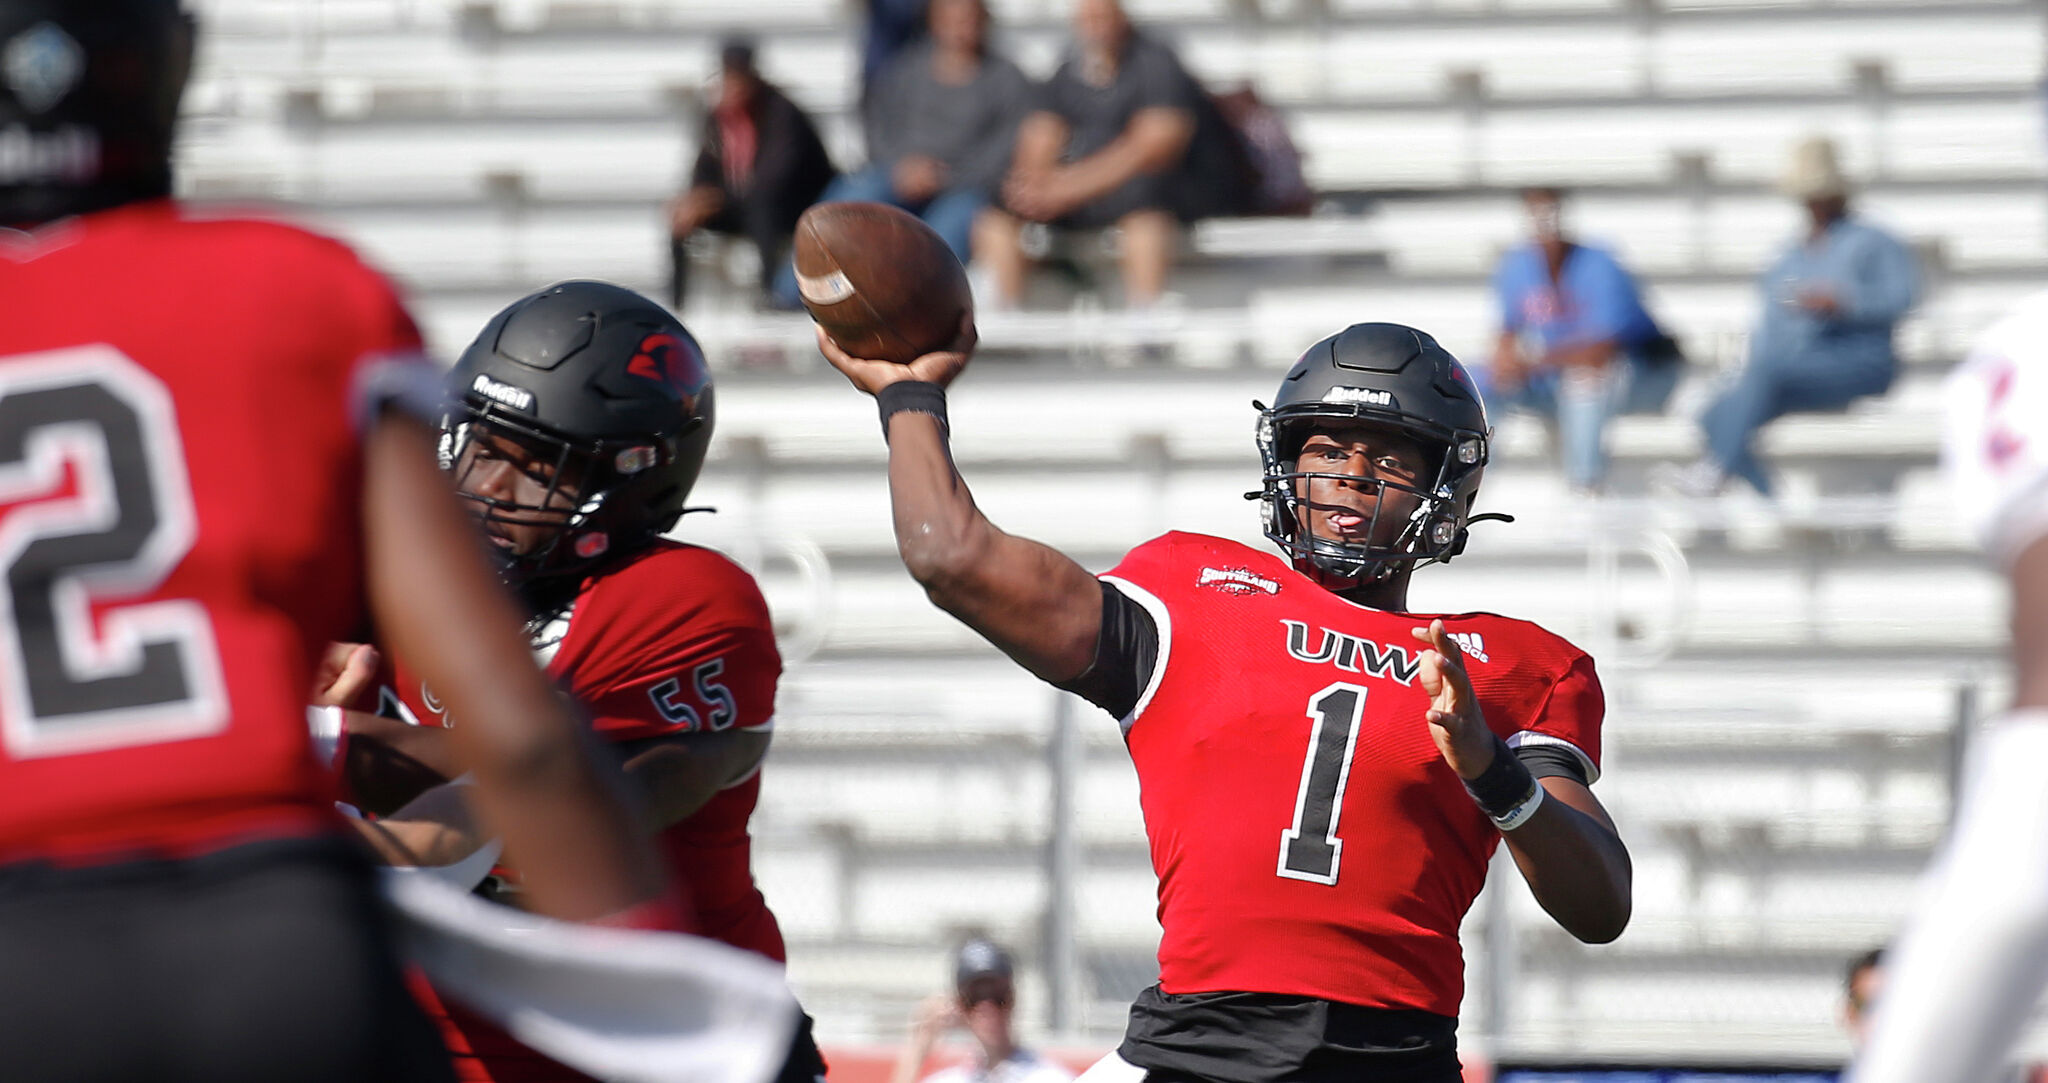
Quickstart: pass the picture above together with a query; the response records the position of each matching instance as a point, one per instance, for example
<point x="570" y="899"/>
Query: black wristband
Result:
<point x="1504" y="785"/>
<point x="921" y="396"/>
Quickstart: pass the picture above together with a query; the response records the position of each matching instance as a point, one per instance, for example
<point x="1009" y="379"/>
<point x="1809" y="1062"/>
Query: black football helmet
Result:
<point x="1388" y="374"/>
<point x="89" y="94"/>
<point x="614" y="390"/>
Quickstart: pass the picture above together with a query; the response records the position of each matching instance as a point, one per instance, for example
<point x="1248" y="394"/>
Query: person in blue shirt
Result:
<point x="1824" y="339"/>
<point x="1576" y="344"/>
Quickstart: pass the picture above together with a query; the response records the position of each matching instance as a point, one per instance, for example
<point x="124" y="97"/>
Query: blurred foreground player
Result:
<point x="201" y="481"/>
<point x="1970" y="967"/>
<point x="1324" y="775"/>
<point x="580" y="422"/>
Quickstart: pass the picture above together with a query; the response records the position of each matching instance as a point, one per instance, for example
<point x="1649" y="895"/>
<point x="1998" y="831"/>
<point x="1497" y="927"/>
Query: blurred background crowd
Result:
<point x="1712" y="258"/>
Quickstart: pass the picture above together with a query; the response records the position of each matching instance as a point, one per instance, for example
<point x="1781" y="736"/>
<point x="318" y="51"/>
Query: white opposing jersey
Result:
<point x="1995" y="449"/>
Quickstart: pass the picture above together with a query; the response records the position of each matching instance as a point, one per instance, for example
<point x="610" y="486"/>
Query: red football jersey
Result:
<point x="676" y="640"/>
<point x="1308" y="838"/>
<point x="180" y="521"/>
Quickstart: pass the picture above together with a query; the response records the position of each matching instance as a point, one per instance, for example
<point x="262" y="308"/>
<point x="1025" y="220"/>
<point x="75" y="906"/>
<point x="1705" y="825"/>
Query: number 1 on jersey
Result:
<point x="1310" y="849"/>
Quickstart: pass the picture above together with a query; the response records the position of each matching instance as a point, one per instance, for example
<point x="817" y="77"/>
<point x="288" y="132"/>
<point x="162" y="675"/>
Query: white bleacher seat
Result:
<point x="269" y="17"/>
<point x="1636" y="142"/>
<point x="1818" y="53"/>
<point x="1669" y="1011"/>
<point x="1790" y="703"/>
<point x="869" y="970"/>
<point x="801" y="883"/>
<point x="1382" y="148"/>
<point x="481" y="244"/>
<point x="1118" y="904"/>
<point x="760" y="15"/>
<point x="911" y="902"/>
<point x="1973" y="228"/>
<point x="1168" y="12"/>
<point x="1940" y="140"/>
<point x="1758" y="608"/>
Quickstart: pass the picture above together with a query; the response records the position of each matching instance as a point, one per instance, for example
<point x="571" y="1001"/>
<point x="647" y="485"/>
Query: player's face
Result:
<point x="1863" y="990"/>
<point x="958" y="24"/>
<point x="985" y="1006"/>
<point x="497" y="467"/>
<point x="1100" y="25"/>
<point x="1341" y="507"/>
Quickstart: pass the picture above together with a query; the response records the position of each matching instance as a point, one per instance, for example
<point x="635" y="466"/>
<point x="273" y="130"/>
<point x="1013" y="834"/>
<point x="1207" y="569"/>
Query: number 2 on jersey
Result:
<point x="74" y="677"/>
<point x="1310" y="849"/>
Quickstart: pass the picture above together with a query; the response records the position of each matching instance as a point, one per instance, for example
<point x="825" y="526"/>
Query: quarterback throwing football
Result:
<point x="1324" y="774"/>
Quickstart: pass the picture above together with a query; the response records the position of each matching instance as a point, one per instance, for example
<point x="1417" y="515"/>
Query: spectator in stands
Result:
<point x="983" y="1000"/>
<point x="941" y="124"/>
<point x="1576" y="344"/>
<point x="891" y="25"/>
<point x="1824" y="339"/>
<point x="1861" y="986"/>
<point x="759" y="164"/>
<point x="1121" y="136"/>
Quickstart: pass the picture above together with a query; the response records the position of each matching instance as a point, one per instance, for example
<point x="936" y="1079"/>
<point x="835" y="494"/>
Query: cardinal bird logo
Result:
<point x="667" y="360"/>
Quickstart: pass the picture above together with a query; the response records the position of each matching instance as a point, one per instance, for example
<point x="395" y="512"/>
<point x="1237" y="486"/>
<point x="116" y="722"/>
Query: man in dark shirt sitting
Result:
<point x="1121" y="136"/>
<point x="759" y="164"/>
<point x="941" y="122"/>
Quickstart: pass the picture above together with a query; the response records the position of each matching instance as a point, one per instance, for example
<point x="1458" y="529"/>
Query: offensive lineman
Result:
<point x="202" y="480"/>
<point x="581" y="419"/>
<point x="1968" y="972"/>
<point x="1324" y="775"/>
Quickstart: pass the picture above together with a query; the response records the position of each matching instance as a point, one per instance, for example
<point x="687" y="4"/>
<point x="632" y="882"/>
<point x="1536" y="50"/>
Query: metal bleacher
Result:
<point x="1784" y="681"/>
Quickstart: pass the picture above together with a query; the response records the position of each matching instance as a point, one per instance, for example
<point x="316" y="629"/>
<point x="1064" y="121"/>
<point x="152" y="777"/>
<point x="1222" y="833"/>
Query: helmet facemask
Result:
<point x="1433" y="530"/>
<point x="584" y="505"/>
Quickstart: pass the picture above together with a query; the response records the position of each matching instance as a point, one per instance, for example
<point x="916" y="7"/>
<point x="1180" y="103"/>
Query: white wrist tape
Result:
<point x="1520" y="814"/>
<point x="328" y="726"/>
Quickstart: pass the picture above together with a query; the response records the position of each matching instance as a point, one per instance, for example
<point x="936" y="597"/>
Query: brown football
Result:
<point x="880" y="282"/>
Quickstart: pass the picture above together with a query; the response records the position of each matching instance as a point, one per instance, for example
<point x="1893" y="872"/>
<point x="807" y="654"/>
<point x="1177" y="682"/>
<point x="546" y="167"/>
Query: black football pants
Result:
<point x="266" y="962"/>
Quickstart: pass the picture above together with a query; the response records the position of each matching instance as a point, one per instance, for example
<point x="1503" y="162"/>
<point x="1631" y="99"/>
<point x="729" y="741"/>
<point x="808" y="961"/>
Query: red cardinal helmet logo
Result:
<point x="666" y="360"/>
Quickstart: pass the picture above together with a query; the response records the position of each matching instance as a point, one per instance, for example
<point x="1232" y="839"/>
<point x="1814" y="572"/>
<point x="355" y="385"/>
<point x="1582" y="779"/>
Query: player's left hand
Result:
<point x="345" y="675"/>
<point x="1455" y="722"/>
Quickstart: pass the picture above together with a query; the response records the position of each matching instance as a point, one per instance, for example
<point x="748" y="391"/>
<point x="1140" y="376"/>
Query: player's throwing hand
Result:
<point x="872" y="376"/>
<point x="1455" y="722"/>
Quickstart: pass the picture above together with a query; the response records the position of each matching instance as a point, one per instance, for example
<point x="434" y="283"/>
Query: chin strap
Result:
<point x="1465" y="532"/>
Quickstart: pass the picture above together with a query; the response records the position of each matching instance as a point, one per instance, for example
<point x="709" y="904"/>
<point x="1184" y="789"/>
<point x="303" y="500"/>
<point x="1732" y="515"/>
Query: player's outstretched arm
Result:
<point x="677" y="776"/>
<point x="1568" y="850"/>
<point x="539" y="784"/>
<point x="436" y="828"/>
<point x="1029" y="599"/>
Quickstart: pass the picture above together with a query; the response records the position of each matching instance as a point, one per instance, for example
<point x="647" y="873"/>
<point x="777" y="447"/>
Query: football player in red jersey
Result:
<point x="202" y="481"/>
<point x="1324" y="774"/>
<point x="582" y="417"/>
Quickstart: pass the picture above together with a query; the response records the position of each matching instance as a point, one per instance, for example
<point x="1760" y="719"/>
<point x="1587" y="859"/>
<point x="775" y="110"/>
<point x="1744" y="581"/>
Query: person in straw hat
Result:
<point x="1824" y="337"/>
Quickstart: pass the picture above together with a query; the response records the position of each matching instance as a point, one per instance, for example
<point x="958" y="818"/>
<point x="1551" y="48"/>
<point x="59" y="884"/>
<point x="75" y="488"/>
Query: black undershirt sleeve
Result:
<point x="1126" y="650"/>
<point x="1552" y="761"/>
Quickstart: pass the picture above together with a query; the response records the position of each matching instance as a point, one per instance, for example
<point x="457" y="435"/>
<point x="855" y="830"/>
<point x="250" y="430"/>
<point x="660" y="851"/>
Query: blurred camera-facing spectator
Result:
<point x="1120" y="136"/>
<point x="1824" y="338"/>
<point x="759" y="164"/>
<point x="941" y="124"/>
<point x="983" y="1001"/>
<point x="1576" y="344"/>
<point x="1861" y="986"/>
